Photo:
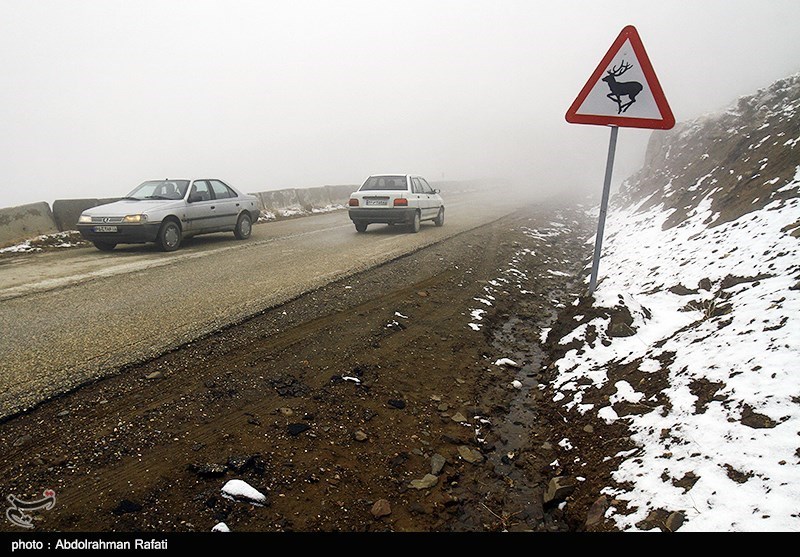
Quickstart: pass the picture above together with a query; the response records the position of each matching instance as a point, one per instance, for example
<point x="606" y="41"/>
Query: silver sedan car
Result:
<point x="166" y="211"/>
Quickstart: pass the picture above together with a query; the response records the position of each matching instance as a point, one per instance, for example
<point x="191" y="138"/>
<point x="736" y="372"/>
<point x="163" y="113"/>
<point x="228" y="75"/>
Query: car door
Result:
<point x="424" y="198"/>
<point x="200" y="204"/>
<point x="433" y="199"/>
<point x="227" y="206"/>
<point x="418" y="197"/>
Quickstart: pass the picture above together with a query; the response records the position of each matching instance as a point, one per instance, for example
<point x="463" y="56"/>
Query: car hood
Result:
<point x="125" y="207"/>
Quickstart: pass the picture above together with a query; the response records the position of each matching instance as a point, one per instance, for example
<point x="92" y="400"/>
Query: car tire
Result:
<point x="439" y="220"/>
<point x="415" y="224"/>
<point x="361" y="227"/>
<point x="169" y="236"/>
<point x="104" y="246"/>
<point x="244" y="227"/>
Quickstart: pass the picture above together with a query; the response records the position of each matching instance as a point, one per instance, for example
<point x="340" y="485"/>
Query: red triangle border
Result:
<point x="668" y="119"/>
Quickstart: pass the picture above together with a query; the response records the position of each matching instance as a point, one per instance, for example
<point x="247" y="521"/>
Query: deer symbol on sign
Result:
<point x="625" y="89"/>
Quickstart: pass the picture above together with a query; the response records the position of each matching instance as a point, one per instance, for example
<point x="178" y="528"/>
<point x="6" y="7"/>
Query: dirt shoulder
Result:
<point x="368" y="404"/>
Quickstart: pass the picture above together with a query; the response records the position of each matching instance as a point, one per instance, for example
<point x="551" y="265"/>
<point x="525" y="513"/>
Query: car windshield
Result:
<point x="160" y="189"/>
<point x="384" y="183"/>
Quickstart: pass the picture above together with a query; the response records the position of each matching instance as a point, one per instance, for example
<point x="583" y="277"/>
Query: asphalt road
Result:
<point x="73" y="316"/>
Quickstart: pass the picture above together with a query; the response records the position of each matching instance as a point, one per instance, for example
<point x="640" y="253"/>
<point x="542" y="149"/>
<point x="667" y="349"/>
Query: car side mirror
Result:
<point x="194" y="197"/>
<point x="436" y="190"/>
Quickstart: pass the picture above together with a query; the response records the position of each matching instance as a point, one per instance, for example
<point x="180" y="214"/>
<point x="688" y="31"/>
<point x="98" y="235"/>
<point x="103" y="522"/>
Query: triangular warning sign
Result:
<point x="623" y="90"/>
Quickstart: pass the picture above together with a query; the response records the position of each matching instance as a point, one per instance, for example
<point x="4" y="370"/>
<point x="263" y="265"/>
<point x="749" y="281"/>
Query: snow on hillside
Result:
<point x="692" y="339"/>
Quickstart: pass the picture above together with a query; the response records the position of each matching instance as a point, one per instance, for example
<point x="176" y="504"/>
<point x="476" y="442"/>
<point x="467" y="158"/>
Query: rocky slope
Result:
<point x="683" y="365"/>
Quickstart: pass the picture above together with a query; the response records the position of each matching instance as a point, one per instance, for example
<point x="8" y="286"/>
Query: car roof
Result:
<point x="234" y="188"/>
<point x="396" y="174"/>
<point x="185" y="179"/>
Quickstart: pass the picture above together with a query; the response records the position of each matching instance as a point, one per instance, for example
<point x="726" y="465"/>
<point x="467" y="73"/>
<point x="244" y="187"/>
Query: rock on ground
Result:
<point x="381" y="508"/>
<point x="428" y="481"/>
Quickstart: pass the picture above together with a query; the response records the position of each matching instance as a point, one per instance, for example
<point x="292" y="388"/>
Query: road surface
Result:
<point x="72" y="316"/>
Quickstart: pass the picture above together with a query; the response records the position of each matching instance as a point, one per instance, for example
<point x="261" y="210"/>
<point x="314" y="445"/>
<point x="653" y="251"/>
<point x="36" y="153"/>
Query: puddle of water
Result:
<point x="514" y="431"/>
<point x="520" y="485"/>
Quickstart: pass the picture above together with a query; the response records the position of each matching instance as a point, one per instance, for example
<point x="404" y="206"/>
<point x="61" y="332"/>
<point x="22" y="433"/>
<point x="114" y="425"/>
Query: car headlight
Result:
<point x="84" y="218"/>
<point x="135" y="219"/>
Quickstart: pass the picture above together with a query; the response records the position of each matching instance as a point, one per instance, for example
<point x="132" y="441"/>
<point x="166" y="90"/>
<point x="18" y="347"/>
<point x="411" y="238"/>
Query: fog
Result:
<point x="100" y="95"/>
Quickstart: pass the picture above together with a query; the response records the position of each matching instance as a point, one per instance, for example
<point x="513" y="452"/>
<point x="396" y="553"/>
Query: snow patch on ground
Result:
<point x="67" y="239"/>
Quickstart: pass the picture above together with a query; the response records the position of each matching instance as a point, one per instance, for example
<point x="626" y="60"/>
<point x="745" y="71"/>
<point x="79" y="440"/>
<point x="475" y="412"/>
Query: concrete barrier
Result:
<point x="281" y="202"/>
<point x="25" y="222"/>
<point x="314" y="198"/>
<point x="291" y="202"/>
<point x="67" y="211"/>
<point x="340" y="194"/>
<point x="28" y="221"/>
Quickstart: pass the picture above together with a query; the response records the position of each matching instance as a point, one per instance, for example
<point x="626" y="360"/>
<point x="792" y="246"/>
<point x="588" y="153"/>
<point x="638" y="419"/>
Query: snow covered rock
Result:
<point x="507" y="362"/>
<point x="238" y="490"/>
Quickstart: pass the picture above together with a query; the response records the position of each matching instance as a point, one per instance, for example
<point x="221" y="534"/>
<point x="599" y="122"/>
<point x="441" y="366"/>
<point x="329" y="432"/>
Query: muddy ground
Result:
<point x="340" y="400"/>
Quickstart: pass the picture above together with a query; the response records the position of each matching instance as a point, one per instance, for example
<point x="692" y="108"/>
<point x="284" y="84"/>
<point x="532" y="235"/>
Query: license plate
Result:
<point x="105" y="228"/>
<point x="376" y="202"/>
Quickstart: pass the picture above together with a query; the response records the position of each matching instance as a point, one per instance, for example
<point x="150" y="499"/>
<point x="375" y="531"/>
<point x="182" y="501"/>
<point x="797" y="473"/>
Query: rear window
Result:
<point x="384" y="183"/>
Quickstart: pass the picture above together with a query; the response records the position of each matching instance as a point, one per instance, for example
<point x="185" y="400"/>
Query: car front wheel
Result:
<point x="169" y="236"/>
<point x="416" y="223"/>
<point x="244" y="226"/>
<point x="439" y="220"/>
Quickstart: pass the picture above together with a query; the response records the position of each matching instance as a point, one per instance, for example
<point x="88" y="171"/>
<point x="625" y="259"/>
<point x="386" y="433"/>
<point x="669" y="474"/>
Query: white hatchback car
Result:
<point x="395" y="199"/>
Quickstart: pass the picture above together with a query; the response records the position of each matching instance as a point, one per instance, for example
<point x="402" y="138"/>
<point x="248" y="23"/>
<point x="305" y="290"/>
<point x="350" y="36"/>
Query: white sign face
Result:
<point x="625" y="94"/>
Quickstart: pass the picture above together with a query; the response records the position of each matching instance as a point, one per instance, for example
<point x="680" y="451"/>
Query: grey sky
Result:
<point x="99" y="95"/>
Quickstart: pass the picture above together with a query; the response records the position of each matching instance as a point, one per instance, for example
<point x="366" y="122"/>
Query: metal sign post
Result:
<point x="601" y="223"/>
<point x="636" y="102"/>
